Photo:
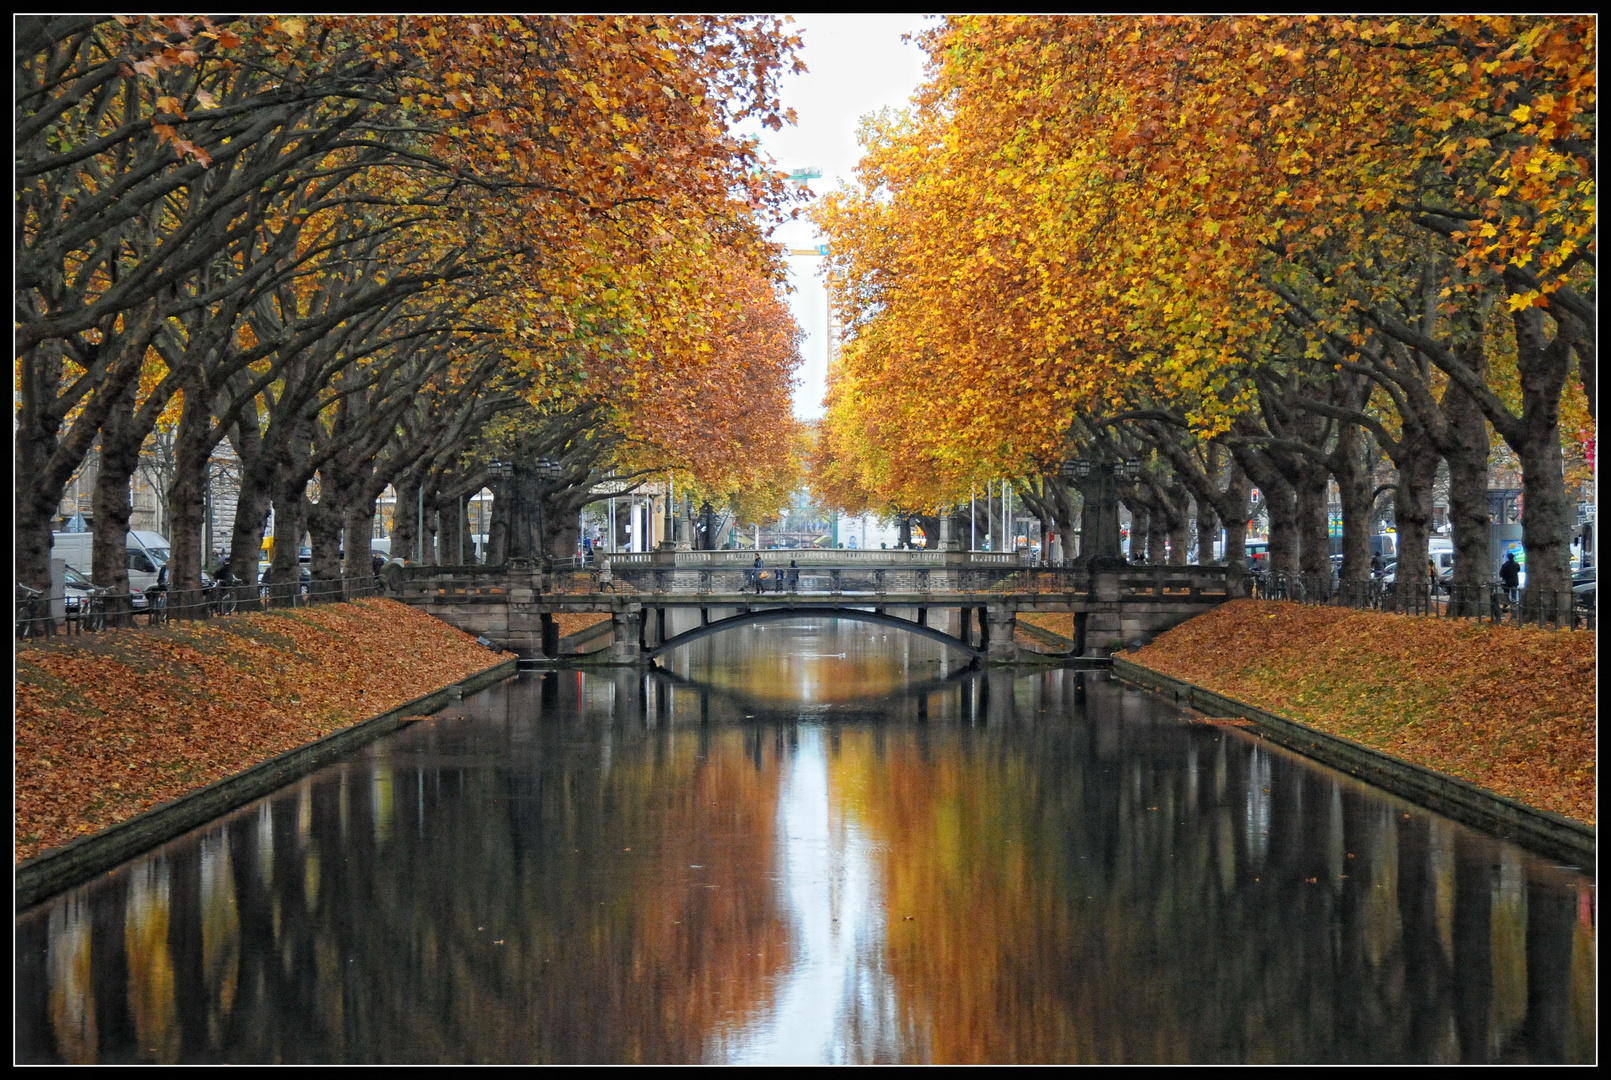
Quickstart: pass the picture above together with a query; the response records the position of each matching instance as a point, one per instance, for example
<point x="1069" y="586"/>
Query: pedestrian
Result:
<point x="1432" y="574"/>
<point x="1376" y="564"/>
<point x="755" y="574"/>
<point x="1510" y="575"/>
<point x="606" y="578"/>
<point x="794" y="577"/>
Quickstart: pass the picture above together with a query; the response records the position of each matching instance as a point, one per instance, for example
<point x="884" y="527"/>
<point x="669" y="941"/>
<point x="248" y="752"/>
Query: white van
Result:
<point x="148" y="553"/>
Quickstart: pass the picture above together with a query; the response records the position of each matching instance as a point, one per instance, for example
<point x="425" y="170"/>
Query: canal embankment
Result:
<point x="124" y="724"/>
<point x="1509" y="710"/>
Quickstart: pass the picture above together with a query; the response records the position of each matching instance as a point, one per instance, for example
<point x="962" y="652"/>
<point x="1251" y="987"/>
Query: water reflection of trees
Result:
<point x="417" y="906"/>
<point x="1067" y="874"/>
<point x="1042" y="911"/>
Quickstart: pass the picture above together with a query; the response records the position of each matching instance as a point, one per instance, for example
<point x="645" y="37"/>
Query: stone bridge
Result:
<point x="659" y="601"/>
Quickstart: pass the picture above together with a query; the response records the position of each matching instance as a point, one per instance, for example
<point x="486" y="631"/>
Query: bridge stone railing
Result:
<point x="731" y="573"/>
<point x="846" y="558"/>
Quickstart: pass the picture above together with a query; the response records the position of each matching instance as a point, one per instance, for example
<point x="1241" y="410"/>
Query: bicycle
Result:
<point x="92" y="615"/>
<point x="31" y="614"/>
<point x="156" y="599"/>
<point x="221" y="599"/>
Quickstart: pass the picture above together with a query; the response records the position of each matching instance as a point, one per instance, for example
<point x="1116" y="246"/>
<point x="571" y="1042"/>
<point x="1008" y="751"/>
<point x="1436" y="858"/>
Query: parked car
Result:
<point x="1583" y="588"/>
<point x="148" y="553"/>
<point x="76" y="588"/>
<point x="303" y="574"/>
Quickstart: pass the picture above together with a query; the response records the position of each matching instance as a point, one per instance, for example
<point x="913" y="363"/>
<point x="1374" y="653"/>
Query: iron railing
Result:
<point x="1486" y="602"/>
<point x="100" y="609"/>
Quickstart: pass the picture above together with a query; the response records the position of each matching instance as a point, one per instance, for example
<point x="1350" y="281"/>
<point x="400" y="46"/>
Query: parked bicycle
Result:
<point x="92" y="609"/>
<point x="32" y="613"/>
<point x="221" y="594"/>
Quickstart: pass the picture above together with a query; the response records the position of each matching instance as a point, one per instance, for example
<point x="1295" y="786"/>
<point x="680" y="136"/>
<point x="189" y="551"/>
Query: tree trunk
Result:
<point x="1179" y="522"/>
<point x="498" y="529"/>
<point x="1547" y="516"/>
<point x="1354" y="492"/>
<point x="450" y="534"/>
<point x="119" y="458"/>
<point x="290" y="522"/>
<point x="904" y="536"/>
<point x="187" y="505"/>
<point x="1280" y="503"/>
<point x="1547" y="519"/>
<point x="1412" y="511"/>
<point x="1157" y="537"/>
<point x="358" y="530"/>
<point x="405" y="518"/>
<point x="252" y="504"/>
<point x="1314" y="535"/>
<point x="1207" y="531"/>
<point x="1467" y="455"/>
<point x="931" y="530"/>
<point x="325" y="519"/>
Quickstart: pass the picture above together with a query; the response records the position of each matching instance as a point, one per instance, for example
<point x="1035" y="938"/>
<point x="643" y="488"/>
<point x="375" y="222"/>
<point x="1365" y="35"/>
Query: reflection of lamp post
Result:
<point x="1098" y="479"/>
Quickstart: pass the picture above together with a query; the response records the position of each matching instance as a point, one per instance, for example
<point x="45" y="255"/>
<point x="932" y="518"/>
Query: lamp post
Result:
<point x="1098" y="478"/>
<point x="499" y="475"/>
<point x="547" y="471"/>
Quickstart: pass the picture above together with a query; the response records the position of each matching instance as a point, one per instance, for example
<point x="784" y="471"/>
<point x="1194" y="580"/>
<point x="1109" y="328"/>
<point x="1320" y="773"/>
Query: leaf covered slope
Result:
<point x="110" y="725"/>
<point x="1510" y="709"/>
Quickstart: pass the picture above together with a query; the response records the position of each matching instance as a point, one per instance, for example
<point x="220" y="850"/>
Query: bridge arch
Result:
<point x="828" y="611"/>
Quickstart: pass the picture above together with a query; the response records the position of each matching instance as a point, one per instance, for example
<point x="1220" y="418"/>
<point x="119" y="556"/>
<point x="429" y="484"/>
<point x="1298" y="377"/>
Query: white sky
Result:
<point x="858" y="64"/>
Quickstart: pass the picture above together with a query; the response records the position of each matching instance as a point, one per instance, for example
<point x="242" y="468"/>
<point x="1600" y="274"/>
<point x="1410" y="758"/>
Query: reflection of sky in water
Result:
<point x="813" y="662"/>
<point x="829" y="1003"/>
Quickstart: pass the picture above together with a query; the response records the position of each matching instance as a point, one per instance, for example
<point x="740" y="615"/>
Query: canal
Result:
<point x="817" y="841"/>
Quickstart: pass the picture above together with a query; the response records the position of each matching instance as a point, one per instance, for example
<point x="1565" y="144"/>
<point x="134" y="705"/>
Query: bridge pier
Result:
<point x="627" y="624"/>
<point x="1002" y="627"/>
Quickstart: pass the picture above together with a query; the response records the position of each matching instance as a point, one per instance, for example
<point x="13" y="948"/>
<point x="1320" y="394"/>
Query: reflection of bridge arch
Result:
<point x="803" y="611"/>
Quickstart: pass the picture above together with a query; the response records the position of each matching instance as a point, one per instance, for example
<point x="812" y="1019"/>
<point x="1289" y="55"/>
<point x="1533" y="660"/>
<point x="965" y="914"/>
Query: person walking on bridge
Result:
<point x="606" y="577"/>
<point x="755" y="574"/>
<point x="794" y="576"/>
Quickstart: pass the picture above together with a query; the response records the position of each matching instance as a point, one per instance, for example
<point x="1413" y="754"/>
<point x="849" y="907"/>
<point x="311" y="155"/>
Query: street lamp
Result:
<point x="547" y="471"/>
<point x="1099" y="476"/>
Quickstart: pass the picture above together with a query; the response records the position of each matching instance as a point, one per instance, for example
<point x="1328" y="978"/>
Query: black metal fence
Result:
<point x="1488" y="602"/>
<point x="93" y="610"/>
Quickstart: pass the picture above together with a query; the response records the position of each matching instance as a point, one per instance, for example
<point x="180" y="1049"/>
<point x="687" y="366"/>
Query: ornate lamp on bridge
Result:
<point x="1098" y="478"/>
<point x="519" y="482"/>
<point x="546" y="471"/>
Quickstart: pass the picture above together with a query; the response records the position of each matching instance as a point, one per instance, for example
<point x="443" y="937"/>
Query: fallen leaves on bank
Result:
<point x="1060" y="623"/>
<point x="1511" y="709"/>
<point x="575" y="622"/>
<point x="110" y="724"/>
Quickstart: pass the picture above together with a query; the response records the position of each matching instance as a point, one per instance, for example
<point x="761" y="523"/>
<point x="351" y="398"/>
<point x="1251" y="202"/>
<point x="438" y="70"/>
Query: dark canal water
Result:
<point x="817" y="842"/>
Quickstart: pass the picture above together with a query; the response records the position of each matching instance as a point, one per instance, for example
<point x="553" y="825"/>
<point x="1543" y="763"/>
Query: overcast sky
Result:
<point x="858" y="64"/>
